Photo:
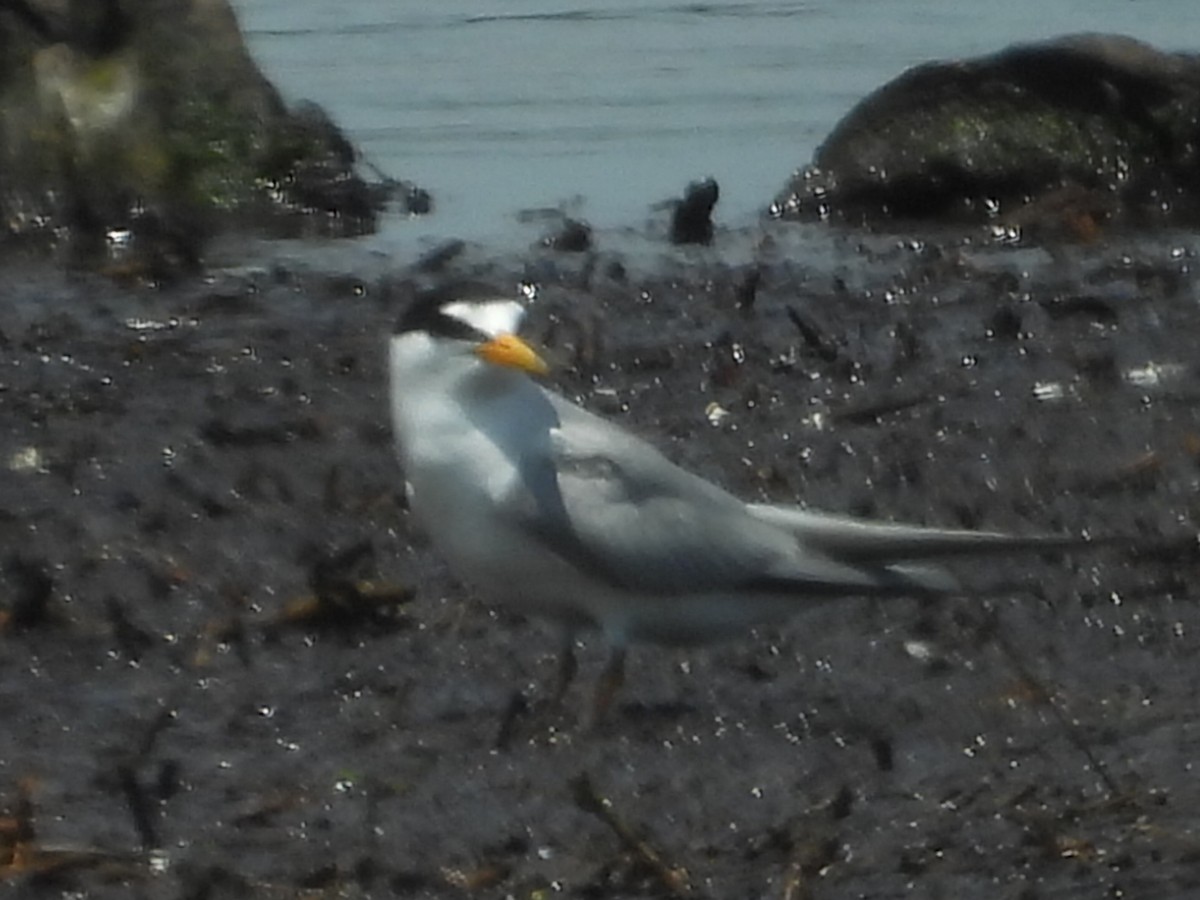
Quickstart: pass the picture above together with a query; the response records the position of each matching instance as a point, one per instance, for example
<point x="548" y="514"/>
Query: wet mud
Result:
<point x="230" y="667"/>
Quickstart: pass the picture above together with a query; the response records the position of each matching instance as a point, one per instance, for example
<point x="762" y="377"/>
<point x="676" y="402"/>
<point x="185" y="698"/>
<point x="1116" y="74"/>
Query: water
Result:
<point x="604" y="108"/>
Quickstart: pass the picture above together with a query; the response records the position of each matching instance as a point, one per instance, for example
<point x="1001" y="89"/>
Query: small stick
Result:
<point x="587" y="798"/>
<point x="1045" y="696"/>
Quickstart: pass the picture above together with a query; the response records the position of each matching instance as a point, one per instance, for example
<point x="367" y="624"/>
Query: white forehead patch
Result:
<point x="492" y="317"/>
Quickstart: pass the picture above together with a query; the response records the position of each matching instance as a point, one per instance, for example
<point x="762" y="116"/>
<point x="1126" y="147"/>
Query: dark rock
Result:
<point x="418" y="201"/>
<point x="691" y="221"/>
<point x="1089" y="127"/>
<point x="312" y="159"/>
<point x="571" y="236"/>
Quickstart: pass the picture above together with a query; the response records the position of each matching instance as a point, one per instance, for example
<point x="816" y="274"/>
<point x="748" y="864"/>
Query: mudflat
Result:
<point x="229" y="666"/>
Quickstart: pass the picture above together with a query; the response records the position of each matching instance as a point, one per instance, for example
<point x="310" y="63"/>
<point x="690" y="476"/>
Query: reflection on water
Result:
<point x="616" y="105"/>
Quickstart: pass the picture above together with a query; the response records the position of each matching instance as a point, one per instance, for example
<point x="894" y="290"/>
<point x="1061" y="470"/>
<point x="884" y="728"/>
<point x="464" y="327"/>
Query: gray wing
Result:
<point x="861" y="540"/>
<point x="613" y="505"/>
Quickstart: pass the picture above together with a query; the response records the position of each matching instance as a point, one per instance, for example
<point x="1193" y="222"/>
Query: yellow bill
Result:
<point x="510" y="351"/>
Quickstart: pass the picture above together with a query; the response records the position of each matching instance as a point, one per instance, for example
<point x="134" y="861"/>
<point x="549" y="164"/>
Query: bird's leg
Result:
<point x="610" y="683"/>
<point x="567" y="665"/>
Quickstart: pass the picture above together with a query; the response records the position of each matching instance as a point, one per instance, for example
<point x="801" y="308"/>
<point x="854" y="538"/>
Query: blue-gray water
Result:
<point x="607" y="107"/>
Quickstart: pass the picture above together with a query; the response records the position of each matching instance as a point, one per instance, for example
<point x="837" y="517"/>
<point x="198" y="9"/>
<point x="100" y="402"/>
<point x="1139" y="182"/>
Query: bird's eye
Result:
<point x="446" y="326"/>
<point x="428" y="313"/>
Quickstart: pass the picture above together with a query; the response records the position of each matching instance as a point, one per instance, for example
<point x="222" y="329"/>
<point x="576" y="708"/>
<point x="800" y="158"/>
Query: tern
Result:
<point x="559" y="513"/>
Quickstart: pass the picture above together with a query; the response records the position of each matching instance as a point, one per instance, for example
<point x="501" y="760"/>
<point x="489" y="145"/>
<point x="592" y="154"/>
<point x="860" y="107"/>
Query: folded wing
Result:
<point x="614" y="506"/>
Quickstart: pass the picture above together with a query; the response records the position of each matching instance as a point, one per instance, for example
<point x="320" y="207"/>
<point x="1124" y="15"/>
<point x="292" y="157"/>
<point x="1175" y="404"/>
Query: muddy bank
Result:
<point x="185" y="470"/>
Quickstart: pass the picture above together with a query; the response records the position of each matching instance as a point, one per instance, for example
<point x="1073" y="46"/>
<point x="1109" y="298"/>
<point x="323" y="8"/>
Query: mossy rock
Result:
<point x="151" y="120"/>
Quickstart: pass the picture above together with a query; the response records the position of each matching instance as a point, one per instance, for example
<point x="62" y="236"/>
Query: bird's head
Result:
<point x="435" y="329"/>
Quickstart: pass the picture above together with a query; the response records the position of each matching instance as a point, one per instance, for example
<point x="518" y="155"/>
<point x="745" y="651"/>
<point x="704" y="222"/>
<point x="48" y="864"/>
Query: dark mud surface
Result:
<point x="181" y="470"/>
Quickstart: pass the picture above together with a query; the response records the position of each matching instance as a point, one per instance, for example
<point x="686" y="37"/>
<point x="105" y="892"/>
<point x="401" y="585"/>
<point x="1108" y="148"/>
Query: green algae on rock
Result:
<point x="151" y="121"/>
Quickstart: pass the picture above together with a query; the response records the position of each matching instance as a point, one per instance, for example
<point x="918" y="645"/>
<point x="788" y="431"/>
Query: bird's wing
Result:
<point x="861" y="540"/>
<point x="614" y="506"/>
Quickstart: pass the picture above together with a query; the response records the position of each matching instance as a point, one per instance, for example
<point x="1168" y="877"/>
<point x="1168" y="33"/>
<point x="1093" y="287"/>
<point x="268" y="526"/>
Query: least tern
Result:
<point x="546" y="507"/>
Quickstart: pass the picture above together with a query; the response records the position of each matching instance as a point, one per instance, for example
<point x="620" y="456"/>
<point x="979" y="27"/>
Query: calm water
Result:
<point x="607" y="107"/>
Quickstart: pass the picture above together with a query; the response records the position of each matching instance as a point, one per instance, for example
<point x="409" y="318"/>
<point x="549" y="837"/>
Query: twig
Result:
<point x="1042" y="693"/>
<point x="673" y="878"/>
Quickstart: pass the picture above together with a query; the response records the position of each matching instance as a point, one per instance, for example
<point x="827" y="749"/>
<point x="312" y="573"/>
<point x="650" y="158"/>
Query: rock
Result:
<point x="691" y="221"/>
<point x="149" y="122"/>
<point x="1103" y="126"/>
<point x="569" y="236"/>
<point x="417" y="200"/>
